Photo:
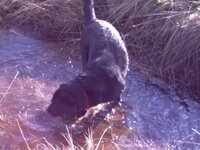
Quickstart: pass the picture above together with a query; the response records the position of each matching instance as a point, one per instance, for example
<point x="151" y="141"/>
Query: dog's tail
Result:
<point x="88" y="9"/>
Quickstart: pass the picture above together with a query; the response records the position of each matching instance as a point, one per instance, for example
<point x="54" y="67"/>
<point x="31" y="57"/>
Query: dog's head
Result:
<point x="68" y="102"/>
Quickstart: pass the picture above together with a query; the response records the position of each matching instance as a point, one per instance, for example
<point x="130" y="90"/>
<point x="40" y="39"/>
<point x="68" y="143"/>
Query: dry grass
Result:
<point x="14" y="135"/>
<point x="163" y="38"/>
<point x="45" y="17"/>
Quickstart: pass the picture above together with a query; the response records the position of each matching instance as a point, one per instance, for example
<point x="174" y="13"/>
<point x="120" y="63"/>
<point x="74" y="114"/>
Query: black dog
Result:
<point x="105" y="65"/>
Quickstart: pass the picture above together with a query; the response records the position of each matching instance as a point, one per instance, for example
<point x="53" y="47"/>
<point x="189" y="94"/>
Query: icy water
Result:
<point x="150" y="116"/>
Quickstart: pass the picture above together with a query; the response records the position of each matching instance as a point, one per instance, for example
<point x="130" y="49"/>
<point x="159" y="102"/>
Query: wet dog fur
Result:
<point x="105" y="65"/>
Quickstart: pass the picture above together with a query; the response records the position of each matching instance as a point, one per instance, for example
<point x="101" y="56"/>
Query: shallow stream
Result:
<point x="151" y="115"/>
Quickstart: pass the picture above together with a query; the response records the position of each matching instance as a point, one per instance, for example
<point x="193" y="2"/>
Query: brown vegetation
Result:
<point x="163" y="37"/>
<point x="44" y="17"/>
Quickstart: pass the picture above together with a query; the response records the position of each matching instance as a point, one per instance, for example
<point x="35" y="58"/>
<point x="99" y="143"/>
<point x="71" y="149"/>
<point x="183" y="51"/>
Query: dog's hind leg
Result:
<point x="84" y="50"/>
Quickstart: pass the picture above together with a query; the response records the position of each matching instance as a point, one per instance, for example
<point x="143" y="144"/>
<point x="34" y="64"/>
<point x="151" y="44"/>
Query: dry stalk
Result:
<point x="15" y="77"/>
<point x="23" y="136"/>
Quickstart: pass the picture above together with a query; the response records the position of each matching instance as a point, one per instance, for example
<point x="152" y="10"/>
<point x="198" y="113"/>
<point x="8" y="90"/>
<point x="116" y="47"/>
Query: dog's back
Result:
<point x="105" y="63"/>
<point x="101" y="43"/>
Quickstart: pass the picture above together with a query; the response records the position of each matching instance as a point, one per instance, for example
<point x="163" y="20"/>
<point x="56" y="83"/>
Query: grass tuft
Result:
<point x="49" y="18"/>
<point x="163" y="38"/>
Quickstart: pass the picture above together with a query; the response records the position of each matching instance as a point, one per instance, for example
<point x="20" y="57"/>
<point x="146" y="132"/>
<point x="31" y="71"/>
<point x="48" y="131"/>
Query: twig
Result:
<point x="21" y="131"/>
<point x="196" y="131"/>
<point x="2" y="98"/>
<point x="13" y="31"/>
<point x="68" y="137"/>
<point x="101" y="139"/>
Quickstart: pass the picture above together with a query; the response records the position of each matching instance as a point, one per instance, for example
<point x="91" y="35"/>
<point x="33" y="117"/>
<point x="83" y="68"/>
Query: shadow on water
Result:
<point x="30" y="72"/>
